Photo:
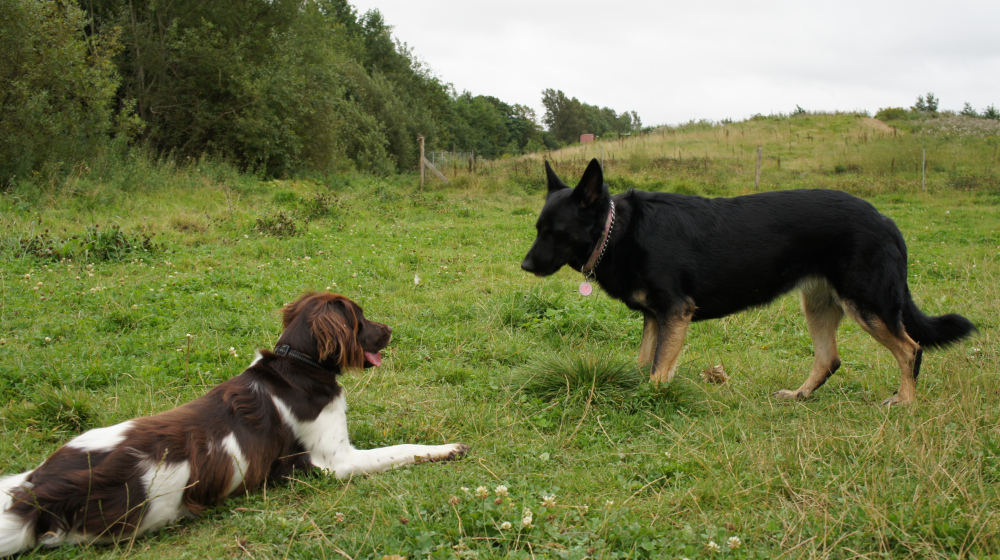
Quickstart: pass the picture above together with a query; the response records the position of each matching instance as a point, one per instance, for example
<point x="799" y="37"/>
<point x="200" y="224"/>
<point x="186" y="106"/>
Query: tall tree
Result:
<point x="57" y="86"/>
<point x="565" y="117"/>
<point x="568" y="118"/>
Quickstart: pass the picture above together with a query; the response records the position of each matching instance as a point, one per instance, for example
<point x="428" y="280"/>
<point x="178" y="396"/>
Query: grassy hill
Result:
<point x="134" y="286"/>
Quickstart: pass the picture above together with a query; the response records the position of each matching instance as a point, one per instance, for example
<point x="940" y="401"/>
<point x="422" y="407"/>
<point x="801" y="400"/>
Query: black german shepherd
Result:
<point x="683" y="258"/>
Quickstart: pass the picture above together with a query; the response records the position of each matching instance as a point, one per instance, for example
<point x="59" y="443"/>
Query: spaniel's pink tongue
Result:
<point x="374" y="358"/>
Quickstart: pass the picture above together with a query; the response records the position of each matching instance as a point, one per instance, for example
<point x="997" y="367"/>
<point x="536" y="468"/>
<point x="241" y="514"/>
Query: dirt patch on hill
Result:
<point x="876" y="124"/>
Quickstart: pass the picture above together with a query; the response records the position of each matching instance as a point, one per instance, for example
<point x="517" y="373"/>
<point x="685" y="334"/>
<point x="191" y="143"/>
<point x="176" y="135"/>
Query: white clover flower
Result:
<point x="416" y="279"/>
<point x="505" y="526"/>
<point x="482" y="492"/>
<point x="501" y="491"/>
<point x="549" y="501"/>
<point x="734" y="542"/>
<point x="609" y="503"/>
<point x="526" y="517"/>
<point x="47" y="339"/>
<point x="340" y="517"/>
<point x="712" y="546"/>
<point x="464" y="489"/>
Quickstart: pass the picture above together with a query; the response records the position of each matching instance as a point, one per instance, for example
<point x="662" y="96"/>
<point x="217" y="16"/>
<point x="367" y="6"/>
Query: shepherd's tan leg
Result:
<point x="671" y="330"/>
<point x="648" y="347"/>
<point x="903" y="348"/>
<point x="823" y="314"/>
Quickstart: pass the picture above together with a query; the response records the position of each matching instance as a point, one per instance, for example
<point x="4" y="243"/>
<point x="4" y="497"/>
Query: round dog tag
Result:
<point x="586" y="289"/>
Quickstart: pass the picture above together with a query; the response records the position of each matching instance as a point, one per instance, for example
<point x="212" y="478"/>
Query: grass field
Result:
<point x="113" y="324"/>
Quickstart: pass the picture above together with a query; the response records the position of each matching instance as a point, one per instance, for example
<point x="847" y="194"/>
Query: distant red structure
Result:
<point x="585" y="138"/>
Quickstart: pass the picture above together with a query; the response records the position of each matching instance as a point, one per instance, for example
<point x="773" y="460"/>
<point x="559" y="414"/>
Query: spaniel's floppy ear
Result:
<point x="292" y="310"/>
<point x="334" y="325"/>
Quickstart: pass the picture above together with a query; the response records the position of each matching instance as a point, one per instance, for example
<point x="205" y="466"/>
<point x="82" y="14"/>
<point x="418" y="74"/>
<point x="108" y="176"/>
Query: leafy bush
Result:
<point x="892" y="114"/>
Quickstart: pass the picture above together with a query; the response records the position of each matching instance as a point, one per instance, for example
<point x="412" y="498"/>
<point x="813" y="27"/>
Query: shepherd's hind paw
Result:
<point x="786" y="394"/>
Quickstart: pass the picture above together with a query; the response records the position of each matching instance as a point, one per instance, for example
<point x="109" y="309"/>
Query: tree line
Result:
<point x="278" y="87"/>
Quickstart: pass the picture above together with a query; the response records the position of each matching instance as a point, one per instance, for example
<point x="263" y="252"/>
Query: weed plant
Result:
<point x="639" y="472"/>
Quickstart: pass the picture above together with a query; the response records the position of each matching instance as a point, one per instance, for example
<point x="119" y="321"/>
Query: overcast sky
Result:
<point x="676" y="61"/>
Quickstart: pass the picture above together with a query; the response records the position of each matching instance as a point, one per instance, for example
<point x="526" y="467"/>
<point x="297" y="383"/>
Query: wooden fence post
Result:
<point x="760" y="152"/>
<point x="422" y="160"/>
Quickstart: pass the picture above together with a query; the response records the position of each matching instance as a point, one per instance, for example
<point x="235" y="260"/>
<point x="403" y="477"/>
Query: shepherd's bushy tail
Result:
<point x="935" y="332"/>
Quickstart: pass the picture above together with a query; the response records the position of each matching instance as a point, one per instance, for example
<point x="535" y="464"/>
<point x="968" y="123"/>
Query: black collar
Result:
<point x="286" y="350"/>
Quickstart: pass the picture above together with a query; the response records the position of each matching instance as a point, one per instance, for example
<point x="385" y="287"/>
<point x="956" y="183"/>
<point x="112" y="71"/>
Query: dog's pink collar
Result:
<point x="595" y="257"/>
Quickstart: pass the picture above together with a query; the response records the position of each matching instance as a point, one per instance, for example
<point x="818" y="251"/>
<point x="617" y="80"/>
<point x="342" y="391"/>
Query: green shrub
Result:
<point x="892" y="114"/>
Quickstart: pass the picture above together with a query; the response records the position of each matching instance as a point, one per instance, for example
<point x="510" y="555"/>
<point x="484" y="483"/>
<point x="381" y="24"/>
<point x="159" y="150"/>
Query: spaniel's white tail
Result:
<point x="16" y="534"/>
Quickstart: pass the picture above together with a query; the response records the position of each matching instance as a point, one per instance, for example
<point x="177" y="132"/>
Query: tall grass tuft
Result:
<point x="57" y="409"/>
<point x="602" y="381"/>
<point x="557" y="375"/>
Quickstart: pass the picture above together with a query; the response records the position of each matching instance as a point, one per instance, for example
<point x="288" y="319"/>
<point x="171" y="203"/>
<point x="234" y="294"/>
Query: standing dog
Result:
<point x="285" y="412"/>
<point x="683" y="258"/>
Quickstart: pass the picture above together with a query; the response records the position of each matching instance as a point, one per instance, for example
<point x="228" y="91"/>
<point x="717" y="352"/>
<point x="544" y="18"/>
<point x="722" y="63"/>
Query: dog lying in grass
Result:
<point x="682" y="258"/>
<point x="286" y="412"/>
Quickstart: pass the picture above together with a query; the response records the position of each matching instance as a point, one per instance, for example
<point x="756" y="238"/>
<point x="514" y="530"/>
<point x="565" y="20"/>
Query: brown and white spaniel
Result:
<point x="285" y="412"/>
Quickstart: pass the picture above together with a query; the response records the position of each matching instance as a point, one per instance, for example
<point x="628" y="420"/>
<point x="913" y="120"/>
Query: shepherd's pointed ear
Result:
<point x="553" y="180"/>
<point x="591" y="188"/>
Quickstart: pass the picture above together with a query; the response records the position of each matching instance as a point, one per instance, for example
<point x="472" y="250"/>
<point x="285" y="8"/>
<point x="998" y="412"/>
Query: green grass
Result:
<point x="636" y="472"/>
